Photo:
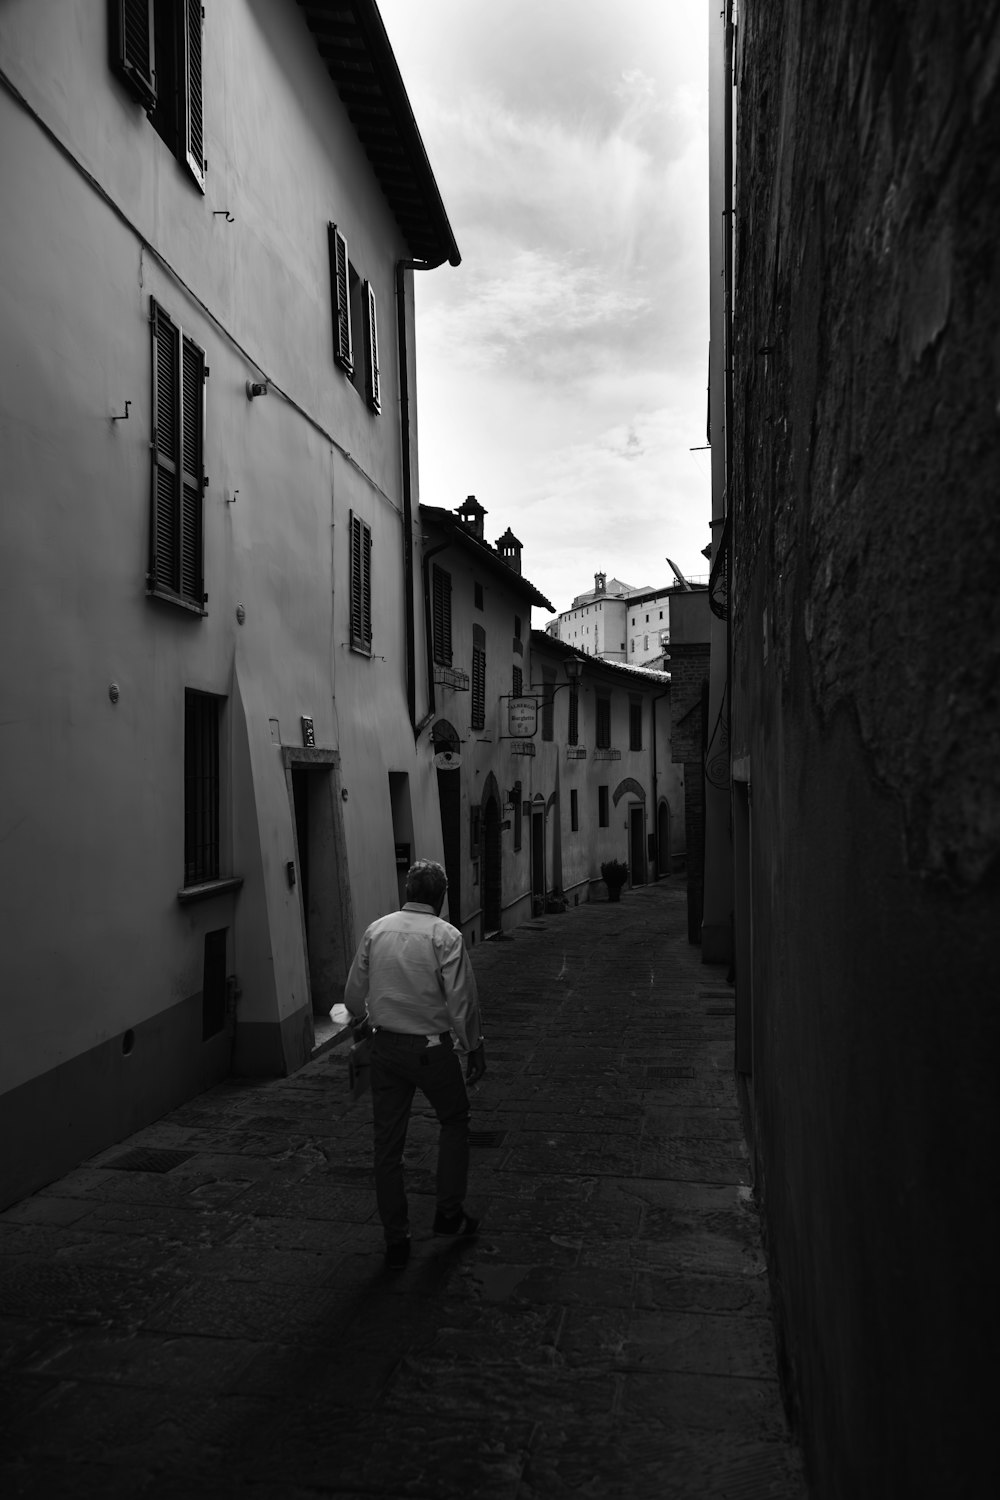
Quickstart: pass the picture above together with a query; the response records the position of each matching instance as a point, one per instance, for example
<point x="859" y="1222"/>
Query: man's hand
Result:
<point x="476" y="1065"/>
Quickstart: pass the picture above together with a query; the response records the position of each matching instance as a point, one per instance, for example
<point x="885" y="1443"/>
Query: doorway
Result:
<point x="492" y="867"/>
<point x="538" y="857"/>
<point x="663" y="839"/>
<point x="637" y="844"/>
<point x="447" y="746"/>
<point x="325" y="920"/>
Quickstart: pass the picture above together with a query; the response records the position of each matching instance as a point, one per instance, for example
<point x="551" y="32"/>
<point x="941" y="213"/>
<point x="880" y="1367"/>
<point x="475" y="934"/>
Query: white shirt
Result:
<point x="413" y="973"/>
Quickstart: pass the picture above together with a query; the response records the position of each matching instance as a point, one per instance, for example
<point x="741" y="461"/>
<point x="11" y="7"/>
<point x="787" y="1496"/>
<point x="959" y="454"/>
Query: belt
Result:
<point x="429" y="1039"/>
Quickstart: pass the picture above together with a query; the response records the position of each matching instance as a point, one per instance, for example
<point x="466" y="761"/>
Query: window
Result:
<point x="478" y="677"/>
<point x="201" y="787"/>
<point x="156" y="47"/>
<point x="573" y="728"/>
<point x="574" y="810"/>
<point x="635" y="726"/>
<point x="441" y="617"/>
<point x="361" y="585"/>
<point x="353" y="305"/>
<point x="175" y="534"/>
<point x="518" y="814"/>
<point x="518" y="683"/>
<point x="603" y="740"/>
<point x="645" y="643"/>
<point x="517" y="627"/>
<point x="477" y="593"/>
<point x="602" y="807"/>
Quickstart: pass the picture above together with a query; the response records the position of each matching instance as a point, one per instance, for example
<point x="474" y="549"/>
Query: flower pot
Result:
<point x="614" y="893"/>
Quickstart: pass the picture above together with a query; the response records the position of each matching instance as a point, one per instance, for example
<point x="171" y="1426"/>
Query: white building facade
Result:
<point x="211" y="615"/>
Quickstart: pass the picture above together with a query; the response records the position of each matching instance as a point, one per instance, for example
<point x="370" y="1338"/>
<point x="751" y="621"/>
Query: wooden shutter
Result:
<point x="573" y="732"/>
<point x="361" y="584"/>
<point x="340" y="283"/>
<point x="164" y="538"/>
<point x="192" y="475"/>
<point x="193" y="143"/>
<point x="176" y="530"/>
<point x="374" y="388"/>
<point x="478" y="677"/>
<point x="603" y="723"/>
<point x="442" y="616"/>
<point x="133" y="48"/>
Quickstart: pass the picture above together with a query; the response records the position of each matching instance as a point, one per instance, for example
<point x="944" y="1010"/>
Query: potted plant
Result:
<point x="614" y="874"/>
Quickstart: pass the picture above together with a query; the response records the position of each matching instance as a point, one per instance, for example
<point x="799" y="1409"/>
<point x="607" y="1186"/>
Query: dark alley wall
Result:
<point x="866" y="646"/>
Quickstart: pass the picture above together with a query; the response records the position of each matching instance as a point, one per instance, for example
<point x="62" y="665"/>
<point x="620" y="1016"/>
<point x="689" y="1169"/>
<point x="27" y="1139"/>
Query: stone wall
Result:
<point x="866" y="640"/>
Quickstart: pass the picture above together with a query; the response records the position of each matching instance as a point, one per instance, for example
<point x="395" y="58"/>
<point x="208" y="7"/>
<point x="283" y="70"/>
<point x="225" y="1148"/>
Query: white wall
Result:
<point x="93" y="793"/>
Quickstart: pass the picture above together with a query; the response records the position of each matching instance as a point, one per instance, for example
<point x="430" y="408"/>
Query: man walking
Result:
<point x="413" y="974"/>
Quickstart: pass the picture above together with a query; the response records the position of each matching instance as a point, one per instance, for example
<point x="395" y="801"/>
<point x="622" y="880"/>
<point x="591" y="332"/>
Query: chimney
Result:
<point x="600" y="582"/>
<point x="509" y="549"/>
<point x="471" y="514"/>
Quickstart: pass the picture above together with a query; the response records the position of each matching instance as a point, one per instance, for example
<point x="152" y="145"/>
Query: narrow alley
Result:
<point x="203" y="1309"/>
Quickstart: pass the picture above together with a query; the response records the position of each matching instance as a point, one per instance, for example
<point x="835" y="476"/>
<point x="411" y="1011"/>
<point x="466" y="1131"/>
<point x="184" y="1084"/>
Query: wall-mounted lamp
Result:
<point x="256" y="388"/>
<point x="574" y="668"/>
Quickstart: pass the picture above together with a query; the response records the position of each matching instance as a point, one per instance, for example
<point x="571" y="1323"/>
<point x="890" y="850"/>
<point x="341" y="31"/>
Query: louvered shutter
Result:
<point x="192" y="471"/>
<point x="340" y="284"/>
<point x="164" y="524"/>
<point x="193" y="23"/>
<point x="442" y="617"/>
<point x="478" y="677"/>
<point x="374" y="387"/>
<point x="133" y="48"/>
<point x="361" y="584"/>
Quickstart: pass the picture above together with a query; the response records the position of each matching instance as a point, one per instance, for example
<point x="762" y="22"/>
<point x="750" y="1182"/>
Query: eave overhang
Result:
<point x="449" y="525"/>
<point x="352" y="41"/>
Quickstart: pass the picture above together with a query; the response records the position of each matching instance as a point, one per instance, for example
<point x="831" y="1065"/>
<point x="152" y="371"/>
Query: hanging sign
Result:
<point x="447" y="760"/>
<point x="522" y="716"/>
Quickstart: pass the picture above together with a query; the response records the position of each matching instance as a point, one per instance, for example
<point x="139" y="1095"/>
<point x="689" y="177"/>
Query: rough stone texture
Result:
<point x="227" y="1328"/>
<point x="866" y="637"/>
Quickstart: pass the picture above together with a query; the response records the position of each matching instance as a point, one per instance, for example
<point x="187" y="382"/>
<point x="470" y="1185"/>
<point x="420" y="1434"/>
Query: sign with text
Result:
<point x="522" y="716"/>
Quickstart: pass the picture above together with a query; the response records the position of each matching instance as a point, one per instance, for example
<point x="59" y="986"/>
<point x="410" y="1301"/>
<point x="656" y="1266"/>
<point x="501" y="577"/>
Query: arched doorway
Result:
<point x="492" y="865"/>
<point x="444" y="738"/>
<point x="663" y="839"/>
<point x="538" y="853"/>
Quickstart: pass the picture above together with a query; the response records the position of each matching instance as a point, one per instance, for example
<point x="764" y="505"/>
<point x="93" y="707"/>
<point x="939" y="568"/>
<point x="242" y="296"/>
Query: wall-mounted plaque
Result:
<point x="522" y="716"/>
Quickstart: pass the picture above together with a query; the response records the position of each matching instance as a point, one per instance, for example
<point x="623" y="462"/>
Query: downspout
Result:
<point x="409" y="621"/>
<point x="425" y="558"/>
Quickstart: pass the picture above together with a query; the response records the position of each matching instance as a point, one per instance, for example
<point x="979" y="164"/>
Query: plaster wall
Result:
<point x="865" y="718"/>
<point x="97" y="221"/>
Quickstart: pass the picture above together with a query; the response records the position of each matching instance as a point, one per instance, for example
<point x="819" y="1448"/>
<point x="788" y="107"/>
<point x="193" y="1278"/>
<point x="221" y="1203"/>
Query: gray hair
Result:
<point x="426" y="882"/>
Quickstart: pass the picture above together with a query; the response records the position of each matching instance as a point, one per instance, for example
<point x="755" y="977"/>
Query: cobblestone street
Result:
<point x="220" y="1322"/>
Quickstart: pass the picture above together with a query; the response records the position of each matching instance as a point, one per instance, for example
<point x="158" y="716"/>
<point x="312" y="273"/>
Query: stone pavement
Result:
<point x="219" y="1322"/>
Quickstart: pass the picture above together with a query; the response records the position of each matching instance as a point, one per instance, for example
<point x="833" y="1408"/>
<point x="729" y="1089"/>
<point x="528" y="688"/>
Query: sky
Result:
<point x="562" y="367"/>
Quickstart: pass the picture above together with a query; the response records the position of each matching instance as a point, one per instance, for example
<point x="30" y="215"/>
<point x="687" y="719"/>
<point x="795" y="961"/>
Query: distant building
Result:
<point x="478" y="607"/>
<point x="620" y="622"/>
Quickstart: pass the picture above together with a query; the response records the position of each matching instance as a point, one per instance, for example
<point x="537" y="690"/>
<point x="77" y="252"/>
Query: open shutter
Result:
<point x="361" y="584"/>
<point x="132" y="47"/>
<point x="478" y="677"/>
<point x="340" y="284"/>
<point x="442" y="616"/>
<point x="194" y="124"/>
<point x="192" y="472"/>
<point x="374" y="390"/>
<point x="164" y="531"/>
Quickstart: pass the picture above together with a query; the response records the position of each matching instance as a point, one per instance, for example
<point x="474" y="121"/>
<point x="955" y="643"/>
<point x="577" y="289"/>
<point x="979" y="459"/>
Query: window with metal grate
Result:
<point x="201" y="786"/>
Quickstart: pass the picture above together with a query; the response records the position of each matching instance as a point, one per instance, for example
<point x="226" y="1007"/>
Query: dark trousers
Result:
<point x="399" y="1066"/>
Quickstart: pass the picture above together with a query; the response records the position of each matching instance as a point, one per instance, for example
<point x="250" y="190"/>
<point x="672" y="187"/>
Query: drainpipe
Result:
<point x="409" y="626"/>
<point x="429" y="634"/>
<point x="656" y="795"/>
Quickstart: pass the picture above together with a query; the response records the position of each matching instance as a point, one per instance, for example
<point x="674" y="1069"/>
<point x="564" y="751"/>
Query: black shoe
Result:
<point x="397" y="1253"/>
<point x="459" y="1225"/>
